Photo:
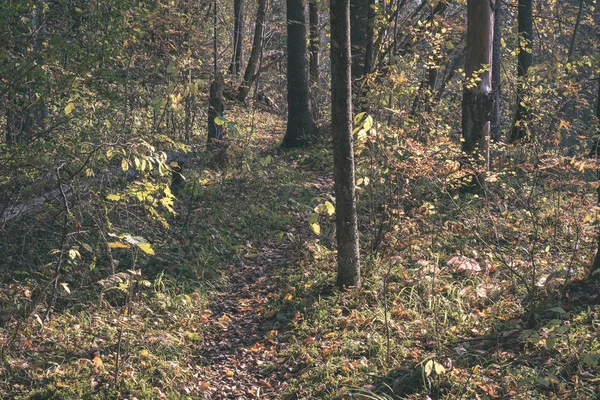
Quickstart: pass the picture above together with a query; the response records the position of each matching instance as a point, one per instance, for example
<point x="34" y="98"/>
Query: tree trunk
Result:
<point x="477" y="104"/>
<point x="343" y="152"/>
<point x="313" y="16"/>
<point x="300" y="125"/>
<point x="496" y="65"/>
<point x="314" y="40"/>
<point x="26" y="109"/>
<point x="237" y="60"/>
<point x="596" y="151"/>
<point x="519" y="130"/>
<point x="215" y="109"/>
<point x="575" y="30"/>
<point x="359" y="10"/>
<point x="250" y="74"/>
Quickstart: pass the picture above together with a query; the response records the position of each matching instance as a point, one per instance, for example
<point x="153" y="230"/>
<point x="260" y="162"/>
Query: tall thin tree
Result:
<point x="301" y="127"/>
<point x="525" y="59"/>
<point x="343" y="152"/>
<point x="237" y="60"/>
<point x="496" y="65"/>
<point x="477" y="102"/>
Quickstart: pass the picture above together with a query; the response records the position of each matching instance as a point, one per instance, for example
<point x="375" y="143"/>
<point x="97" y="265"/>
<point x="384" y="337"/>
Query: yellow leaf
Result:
<point x="224" y="318"/>
<point x="144" y="353"/>
<point x="229" y="373"/>
<point x="97" y="361"/>
<point x="288" y="297"/>
<point x="118" y="245"/>
<point x="69" y="108"/>
<point x="124" y="165"/>
<point x="146" y="248"/>
<point x="114" y="197"/>
<point x="315" y="228"/>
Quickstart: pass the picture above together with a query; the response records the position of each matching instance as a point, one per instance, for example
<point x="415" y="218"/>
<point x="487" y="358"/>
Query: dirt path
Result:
<point x="240" y="350"/>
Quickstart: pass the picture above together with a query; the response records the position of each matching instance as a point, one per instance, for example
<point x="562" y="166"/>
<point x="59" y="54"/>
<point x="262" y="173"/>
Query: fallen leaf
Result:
<point x="272" y="336"/>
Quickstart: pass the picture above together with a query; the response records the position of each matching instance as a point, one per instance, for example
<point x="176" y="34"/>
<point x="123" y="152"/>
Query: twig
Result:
<point x="63" y="242"/>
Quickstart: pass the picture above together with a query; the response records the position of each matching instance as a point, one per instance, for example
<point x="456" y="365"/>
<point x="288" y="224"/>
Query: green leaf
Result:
<point x="69" y="108"/>
<point x="172" y="69"/>
<point x="557" y="310"/>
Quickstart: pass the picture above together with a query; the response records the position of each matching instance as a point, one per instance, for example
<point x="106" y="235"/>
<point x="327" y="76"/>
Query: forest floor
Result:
<point x="240" y="302"/>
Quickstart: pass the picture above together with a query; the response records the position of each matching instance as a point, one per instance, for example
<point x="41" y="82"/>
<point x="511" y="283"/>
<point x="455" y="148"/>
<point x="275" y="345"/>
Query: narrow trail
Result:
<point x="241" y="357"/>
<point x="240" y="350"/>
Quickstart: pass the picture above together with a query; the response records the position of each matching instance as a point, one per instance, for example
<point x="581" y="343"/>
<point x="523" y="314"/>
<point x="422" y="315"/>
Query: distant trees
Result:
<point x="300" y="125"/>
<point x="343" y="151"/>
<point x="477" y="99"/>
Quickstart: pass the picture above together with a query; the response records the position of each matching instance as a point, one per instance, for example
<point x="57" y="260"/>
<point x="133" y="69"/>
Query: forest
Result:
<point x="299" y="199"/>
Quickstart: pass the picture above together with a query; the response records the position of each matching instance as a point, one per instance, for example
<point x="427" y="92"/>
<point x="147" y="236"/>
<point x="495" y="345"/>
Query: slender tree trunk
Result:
<point x="314" y="39"/>
<point x="477" y="102"/>
<point x="496" y="64"/>
<point x="358" y="37"/>
<point x="525" y="23"/>
<point x="301" y="128"/>
<point x="369" y="50"/>
<point x="237" y="60"/>
<point x="343" y="152"/>
<point x="575" y="30"/>
<point x="215" y="52"/>
<point x="251" y="69"/>
<point x="596" y="151"/>
<point x="216" y="109"/>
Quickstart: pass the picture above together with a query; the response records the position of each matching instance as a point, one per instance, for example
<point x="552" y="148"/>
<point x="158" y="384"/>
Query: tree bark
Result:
<point x="477" y="104"/>
<point x="313" y="16"/>
<point x="496" y="65"/>
<point x="525" y="59"/>
<point x="237" y="60"/>
<point x="300" y="125"/>
<point x="314" y="45"/>
<point x="215" y="109"/>
<point x="251" y="69"/>
<point x="575" y="30"/>
<point x="596" y="152"/>
<point x="343" y="152"/>
<point x="359" y="10"/>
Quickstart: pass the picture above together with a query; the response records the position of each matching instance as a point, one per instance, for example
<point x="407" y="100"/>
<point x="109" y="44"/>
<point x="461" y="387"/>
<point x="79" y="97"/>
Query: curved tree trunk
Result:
<point x="251" y="69"/>
<point x="343" y="152"/>
<point x="300" y="125"/>
<point x="525" y="59"/>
